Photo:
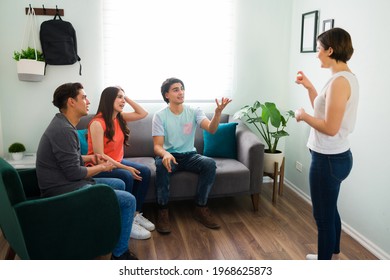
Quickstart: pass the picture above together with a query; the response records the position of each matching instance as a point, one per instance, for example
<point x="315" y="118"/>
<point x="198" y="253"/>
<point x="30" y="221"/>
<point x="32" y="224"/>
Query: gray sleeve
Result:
<point x="66" y="149"/>
<point x="157" y="126"/>
<point x="200" y="116"/>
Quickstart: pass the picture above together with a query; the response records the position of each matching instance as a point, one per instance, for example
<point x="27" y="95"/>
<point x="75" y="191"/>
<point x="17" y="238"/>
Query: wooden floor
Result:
<point x="281" y="231"/>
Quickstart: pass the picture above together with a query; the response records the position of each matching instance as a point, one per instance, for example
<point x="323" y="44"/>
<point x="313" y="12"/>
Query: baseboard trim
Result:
<point x="361" y="239"/>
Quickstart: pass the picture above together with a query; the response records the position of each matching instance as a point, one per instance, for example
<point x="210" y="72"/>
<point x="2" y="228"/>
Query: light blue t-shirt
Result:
<point x="178" y="130"/>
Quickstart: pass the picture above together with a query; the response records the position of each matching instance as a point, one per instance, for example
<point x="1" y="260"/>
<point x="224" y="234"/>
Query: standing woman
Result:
<point x="107" y="135"/>
<point x="335" y="109"/>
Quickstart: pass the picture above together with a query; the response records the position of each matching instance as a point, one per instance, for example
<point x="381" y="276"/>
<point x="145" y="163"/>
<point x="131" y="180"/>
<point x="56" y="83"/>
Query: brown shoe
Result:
<point x="128" y="255"/>
<point x="163" y="224"/>
<point x="203" y="215"/>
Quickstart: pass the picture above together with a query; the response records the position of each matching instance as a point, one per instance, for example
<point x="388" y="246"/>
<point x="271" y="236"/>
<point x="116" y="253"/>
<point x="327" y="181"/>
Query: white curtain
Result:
<point x="147" y="41"/>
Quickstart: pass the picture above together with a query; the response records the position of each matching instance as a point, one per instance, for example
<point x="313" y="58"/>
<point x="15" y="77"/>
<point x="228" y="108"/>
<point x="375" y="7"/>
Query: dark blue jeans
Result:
<point x="204" y="166"/>
<point x="326" y="174"/>
<point x="138" y="188"/>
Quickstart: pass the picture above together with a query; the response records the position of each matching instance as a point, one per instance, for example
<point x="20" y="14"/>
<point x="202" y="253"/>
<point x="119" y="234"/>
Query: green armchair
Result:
<point x="83" y="224"/>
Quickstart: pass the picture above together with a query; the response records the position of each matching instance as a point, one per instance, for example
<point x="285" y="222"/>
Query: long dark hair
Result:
<point x="106" y="109"/>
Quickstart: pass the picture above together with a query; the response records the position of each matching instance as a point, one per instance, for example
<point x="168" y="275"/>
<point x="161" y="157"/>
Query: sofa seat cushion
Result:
<point x="232" y="177"/>
<point x="148" y="161"/>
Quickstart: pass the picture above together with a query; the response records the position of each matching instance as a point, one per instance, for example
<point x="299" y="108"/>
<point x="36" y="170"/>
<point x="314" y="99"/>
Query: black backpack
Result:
<point x="59" y="43"/>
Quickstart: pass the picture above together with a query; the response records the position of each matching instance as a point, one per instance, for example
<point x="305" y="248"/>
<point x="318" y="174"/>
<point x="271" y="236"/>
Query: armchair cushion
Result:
<point x="82" y="224"/>
<point x="70" y="226"/>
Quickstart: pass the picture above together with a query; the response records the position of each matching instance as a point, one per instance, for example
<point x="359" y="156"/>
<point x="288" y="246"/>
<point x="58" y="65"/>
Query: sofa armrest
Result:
<point x="250" y="152"/>
<point x="81" y="224"/>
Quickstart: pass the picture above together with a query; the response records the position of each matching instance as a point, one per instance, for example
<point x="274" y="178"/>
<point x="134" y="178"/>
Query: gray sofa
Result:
<point x="233" y="177"/>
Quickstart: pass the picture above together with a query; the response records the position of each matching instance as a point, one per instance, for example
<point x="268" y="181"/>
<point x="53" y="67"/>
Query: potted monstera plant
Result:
<point x="30" y="64"/>
<point x="271" y="123"/>
<point x="16" y="150"/>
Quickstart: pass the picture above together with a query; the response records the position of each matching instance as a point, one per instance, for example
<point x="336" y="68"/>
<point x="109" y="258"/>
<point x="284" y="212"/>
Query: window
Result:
<point x="147" y="41"/>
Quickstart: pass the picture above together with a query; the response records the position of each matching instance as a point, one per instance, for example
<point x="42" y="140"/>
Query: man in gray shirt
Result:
<point x="60" y="167"/>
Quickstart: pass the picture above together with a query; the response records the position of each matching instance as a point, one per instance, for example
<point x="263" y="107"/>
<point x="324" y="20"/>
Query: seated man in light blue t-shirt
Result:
<point x="173" y="136"/>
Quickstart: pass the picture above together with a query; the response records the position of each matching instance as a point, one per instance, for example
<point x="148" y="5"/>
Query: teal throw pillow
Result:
<point x="83" y="133"/>
<point x="222" y="143"/>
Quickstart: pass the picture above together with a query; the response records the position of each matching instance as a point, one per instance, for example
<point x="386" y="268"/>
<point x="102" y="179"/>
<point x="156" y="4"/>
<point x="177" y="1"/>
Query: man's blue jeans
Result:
<point x="325" y="176"/>
<point x="127" y="207"/>
<point x="204" y="166"/>
<point x="138" y="188"/>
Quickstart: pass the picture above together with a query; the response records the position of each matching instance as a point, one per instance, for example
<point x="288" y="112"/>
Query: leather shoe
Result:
<point x="203" y="215"/>
<point x="128" y="255"/>
<point x="163" y="224"/>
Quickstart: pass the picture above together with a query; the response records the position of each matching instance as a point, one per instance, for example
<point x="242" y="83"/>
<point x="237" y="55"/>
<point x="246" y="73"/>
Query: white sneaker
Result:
<point x="138" y="232"/>
<point x="142" y="221"/>
<point x="312" y="257"/>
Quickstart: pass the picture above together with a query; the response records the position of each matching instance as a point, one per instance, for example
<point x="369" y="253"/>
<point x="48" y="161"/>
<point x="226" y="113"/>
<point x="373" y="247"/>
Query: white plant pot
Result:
<point x="30" y="70"/>
<point x="17" y="156"/>
<point x="270" y="159"/>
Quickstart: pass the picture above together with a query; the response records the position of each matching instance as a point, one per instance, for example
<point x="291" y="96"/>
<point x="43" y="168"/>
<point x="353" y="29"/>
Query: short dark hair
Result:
<point x="340" y="41"/>
<point x="167" y="85"/>
<point x="65" y="91"/>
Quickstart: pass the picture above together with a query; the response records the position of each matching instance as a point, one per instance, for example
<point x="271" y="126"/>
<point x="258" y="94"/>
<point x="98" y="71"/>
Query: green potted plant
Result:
<point x="30" y="64"/>
<point x="271" y="124"/>
<point x="29" y="53"/>
<point x="16" y="150"/>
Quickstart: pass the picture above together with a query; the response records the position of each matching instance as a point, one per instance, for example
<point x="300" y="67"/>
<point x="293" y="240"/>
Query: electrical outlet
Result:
<point x="298" y="166"/>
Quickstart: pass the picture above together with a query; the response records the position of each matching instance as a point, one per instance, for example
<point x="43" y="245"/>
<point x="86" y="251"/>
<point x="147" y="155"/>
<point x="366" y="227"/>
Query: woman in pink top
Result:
<point x="107" y="134"/>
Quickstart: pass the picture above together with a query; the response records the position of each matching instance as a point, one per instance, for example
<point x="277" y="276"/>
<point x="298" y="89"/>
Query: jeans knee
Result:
<point x="144" y="170"/>
<point x="160" y="169"/>
<point x="126" y="200"/>
<point x="145" y="173"/>
<point x="129" y="181"/>
<point x="120" y="185"/>
<point x="114" y="183"/>
<point x="209" y="164"/>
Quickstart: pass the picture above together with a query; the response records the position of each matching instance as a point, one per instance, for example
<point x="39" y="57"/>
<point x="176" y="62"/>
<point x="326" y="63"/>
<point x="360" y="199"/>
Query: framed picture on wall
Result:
<point x="327" y="24"/>
<point x="309" y="31"/>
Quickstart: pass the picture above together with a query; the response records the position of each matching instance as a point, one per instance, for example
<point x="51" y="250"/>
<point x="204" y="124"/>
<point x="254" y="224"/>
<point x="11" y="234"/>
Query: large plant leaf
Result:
<point x="274" y="114"/>
<point x="279" y="134"/>
<point x="270" y="123"/>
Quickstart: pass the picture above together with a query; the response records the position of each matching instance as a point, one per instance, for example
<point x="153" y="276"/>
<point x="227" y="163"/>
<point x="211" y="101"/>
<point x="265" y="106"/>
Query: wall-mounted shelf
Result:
<point x="46" y="12"/>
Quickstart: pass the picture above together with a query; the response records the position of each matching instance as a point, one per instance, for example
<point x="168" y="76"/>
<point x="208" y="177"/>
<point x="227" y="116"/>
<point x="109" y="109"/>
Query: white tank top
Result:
<point x="325" y="144"/>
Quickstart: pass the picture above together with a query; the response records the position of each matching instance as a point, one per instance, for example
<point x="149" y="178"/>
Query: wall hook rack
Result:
<point x="45" y="11"/>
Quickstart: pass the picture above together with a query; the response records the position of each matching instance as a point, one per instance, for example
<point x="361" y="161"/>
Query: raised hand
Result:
<point x="220" y="106"/>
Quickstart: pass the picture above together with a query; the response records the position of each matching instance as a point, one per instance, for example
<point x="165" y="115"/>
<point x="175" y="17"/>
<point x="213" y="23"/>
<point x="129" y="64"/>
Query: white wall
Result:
<point x="364" y="198"/>
<point x="26" y="107"/>
<point x="267" y="60"/>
